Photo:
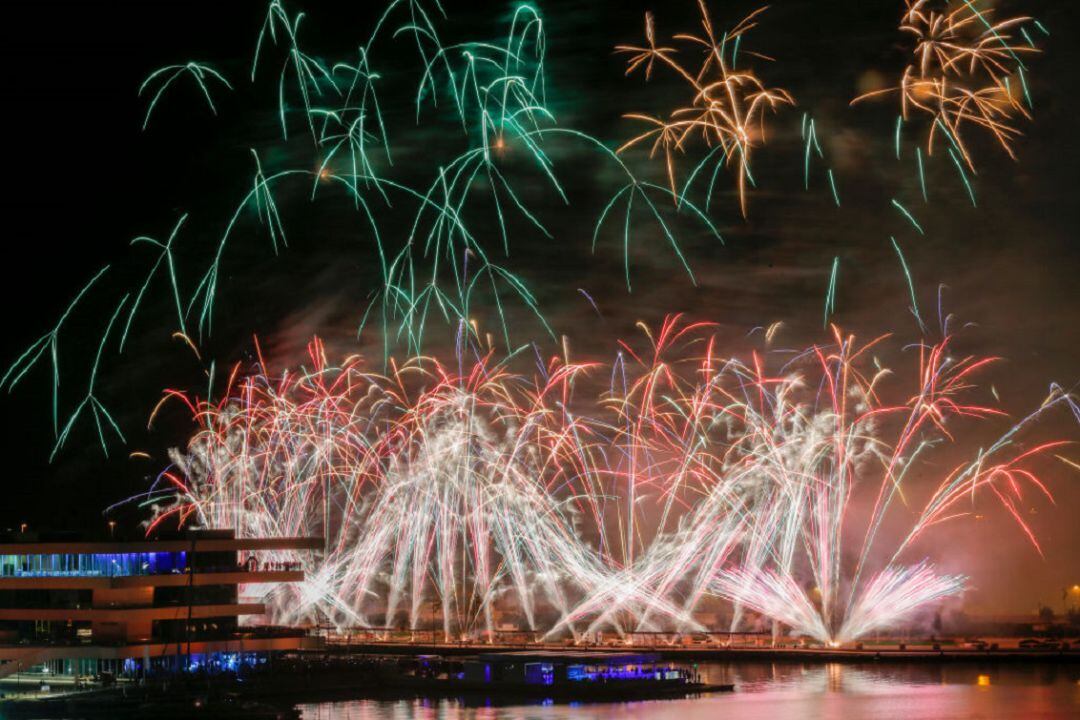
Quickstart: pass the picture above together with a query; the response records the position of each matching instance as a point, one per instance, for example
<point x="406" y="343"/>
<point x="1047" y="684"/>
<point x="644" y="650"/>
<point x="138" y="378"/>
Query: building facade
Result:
<point x="87" y="608"/>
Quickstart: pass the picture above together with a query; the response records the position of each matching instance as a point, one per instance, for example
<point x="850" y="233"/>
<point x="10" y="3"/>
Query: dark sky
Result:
<point x="83" y="180"/>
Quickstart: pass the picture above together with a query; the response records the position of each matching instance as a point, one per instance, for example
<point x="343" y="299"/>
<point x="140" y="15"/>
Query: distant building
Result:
<point x="131" y="608"/>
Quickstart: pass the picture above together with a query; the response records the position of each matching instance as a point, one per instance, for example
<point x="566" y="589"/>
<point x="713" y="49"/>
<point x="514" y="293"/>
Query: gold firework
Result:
<point x="965" y="70"/>
<point x="726" y="109"/>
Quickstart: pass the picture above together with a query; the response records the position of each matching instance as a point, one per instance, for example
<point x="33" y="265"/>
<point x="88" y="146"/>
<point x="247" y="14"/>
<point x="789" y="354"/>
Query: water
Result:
<point x="792" y="691"/>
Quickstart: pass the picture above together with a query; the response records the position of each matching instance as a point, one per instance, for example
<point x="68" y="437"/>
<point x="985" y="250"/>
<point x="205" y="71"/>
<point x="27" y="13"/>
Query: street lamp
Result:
<point x="1075" y="589"/>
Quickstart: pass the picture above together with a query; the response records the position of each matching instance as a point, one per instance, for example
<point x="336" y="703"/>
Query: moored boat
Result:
<point x="554" y="675"/>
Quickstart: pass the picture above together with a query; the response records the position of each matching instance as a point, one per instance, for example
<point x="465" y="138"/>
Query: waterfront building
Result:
<point x="142" y="607"/>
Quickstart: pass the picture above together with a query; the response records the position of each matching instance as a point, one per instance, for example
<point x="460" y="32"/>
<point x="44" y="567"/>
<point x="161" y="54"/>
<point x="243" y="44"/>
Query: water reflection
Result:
<point x="841" y="677"/>
<point x="791" y="691"/>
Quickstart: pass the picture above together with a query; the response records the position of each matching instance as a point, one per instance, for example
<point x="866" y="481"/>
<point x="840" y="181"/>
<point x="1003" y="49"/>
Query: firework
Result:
<point x="586" y="496"/>
<point x="812" y="147"/>
<point x="439" y="263"/>
<point x="687" y="476"/>
<point x="966" y="70"/>
<point x="727" y="104"/>
<point x="164" y="77"/>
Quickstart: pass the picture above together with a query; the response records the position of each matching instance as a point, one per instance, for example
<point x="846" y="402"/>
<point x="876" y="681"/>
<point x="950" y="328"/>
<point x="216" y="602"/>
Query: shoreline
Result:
<point x="731" y="654"/>
<point x="345" y="673"/>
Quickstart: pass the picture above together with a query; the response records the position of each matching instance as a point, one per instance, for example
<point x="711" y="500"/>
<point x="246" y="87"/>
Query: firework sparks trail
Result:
<point x="692" y="476"/>
<point x="164" y="77"/>
<point x="689" y="476"/>
<point x="799" y="448"/>
<point x="426" y="492"/>
<point x="727" y="107"/>
<point x="434" y="266"/>
<point x="963" y="72"/>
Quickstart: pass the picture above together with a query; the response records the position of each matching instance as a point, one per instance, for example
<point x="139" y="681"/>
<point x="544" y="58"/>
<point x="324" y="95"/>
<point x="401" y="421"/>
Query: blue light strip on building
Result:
<point x="92" y="565"/>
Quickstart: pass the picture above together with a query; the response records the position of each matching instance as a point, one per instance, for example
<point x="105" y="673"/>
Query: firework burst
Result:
<point x="726" y="108"/>
<point x="690" y="476"/>
<point x="965" y="71"/>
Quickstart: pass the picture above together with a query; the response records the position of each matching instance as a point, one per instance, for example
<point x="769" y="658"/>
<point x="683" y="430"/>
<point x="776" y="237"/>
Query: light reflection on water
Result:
<point x="790" y="691"/>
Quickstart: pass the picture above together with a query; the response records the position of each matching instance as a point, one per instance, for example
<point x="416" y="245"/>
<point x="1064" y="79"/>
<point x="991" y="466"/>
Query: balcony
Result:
<point x="225" y="575"/>
<point x="132" y="614"/>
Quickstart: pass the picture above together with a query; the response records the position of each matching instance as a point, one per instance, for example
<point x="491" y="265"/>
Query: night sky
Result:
<point x="83" y="180"/>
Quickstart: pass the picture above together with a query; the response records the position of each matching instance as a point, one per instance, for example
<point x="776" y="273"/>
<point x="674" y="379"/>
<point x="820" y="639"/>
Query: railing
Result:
<point x="261" y="632"/>
<point x="267" y="632"/>
<point x="119" y="570"/>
